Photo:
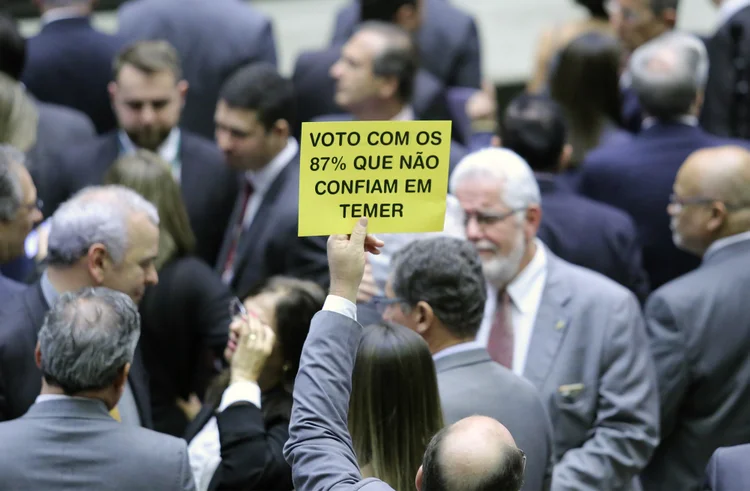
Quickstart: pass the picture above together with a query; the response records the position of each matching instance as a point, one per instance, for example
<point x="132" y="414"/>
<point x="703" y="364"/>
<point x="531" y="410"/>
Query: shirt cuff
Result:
<point x="341" y="305"/>
<point x="240" y="392"/>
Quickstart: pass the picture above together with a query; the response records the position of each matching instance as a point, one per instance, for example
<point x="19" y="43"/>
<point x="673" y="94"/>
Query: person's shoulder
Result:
<point x="585" y="284"/>
<point x="148" y="442"/>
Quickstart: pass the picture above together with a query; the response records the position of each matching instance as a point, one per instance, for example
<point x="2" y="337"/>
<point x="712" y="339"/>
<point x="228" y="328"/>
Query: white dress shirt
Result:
<point x="169" y="150"/>
<point x="525" y="293"/>
<point x="728" y="9"/>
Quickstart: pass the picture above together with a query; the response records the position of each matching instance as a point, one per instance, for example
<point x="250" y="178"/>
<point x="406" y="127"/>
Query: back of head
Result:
<point x="533" y="126"/>
<point x="12" y="48"/>
<point x="669" y="75"/>
<point x="398" y="59"/>
<point x="382" y="10"/>
<point x="395" y="406"/>
<point x="258" y="87"/>
<point x="446" y="273"/>
<point x="87" y="338"/>
<point x="95" y="215"/>
<point x="475" y="454"/>
<point x="150" y="176"/>
<point x="19" y="116"/>
<point x="11" y="193"/>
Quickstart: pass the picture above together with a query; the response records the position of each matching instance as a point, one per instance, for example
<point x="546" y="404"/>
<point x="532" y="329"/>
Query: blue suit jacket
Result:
<point x="637" y="177"/>
<point x="591" y="234"/>
<point x="8" y="289"/>
<point x="70" y="63"/>
<point x="728" y="469"/>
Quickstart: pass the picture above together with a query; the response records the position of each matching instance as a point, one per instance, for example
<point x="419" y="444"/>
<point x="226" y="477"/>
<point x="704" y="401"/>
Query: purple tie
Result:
<point x="500" y="344"/>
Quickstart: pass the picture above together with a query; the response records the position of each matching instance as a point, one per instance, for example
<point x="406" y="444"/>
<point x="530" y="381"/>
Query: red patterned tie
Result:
<point x="500" y="344"/>
<point x="237" y="231"/>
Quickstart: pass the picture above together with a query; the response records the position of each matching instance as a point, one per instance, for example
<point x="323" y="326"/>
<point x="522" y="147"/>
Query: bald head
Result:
<point x="474" y="454"/>
<point x="722" y="173"/>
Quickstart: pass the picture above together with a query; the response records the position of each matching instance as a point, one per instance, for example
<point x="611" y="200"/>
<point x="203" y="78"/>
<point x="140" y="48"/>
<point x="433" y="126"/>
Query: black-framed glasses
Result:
<point x="381" y="303"/>
<point x="485" y="218"/>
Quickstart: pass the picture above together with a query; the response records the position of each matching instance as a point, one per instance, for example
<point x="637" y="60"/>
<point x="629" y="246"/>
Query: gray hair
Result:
<point x="87" y="338"/>
<point x="95" y="215"/>
<point x="445" y="272"/>
<point x="11" y="193"/>
<point x="519" y="186"/>
<point x="668" y="73"/>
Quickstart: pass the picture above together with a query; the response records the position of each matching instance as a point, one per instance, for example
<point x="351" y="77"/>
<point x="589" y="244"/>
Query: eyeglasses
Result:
<point x="237" y="309"/>
<point x="485" y="219"/>
<point x="382" y="303"/>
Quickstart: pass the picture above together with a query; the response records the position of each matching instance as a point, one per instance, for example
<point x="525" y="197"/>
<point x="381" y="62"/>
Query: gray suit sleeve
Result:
<point x="626" y="429"/>
<point x="669" y="351"/>
<point x="711" y="482"/>
<point x="319" y="448"/>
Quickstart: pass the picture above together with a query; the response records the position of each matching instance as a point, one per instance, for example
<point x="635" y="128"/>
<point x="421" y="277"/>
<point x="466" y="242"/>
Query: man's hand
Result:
<point x="346" y="259"/>
<point x="368" y="288"/>
<point x="255" y="344"/>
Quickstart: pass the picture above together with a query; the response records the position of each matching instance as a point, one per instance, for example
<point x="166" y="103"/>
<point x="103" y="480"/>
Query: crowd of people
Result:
<point x="578" y="325"/>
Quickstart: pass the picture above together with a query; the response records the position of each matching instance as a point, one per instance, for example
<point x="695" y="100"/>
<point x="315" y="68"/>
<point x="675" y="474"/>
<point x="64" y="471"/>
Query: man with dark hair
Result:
<point x="148" y="94"/>
<point x="475" y="454"/>
<point x="580" y="230"/>
<point x="437" y="289"/>
<point x="254" y="120"/>
<point x="316" y="89"/>
<point x="85" y="352"/>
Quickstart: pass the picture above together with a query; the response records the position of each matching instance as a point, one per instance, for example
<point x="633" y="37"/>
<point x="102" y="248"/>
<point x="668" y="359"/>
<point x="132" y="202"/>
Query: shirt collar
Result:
<point x="61" y="13"/>
<point x="456" y="348"/>
<point x="729" y="8"/>
<point x="522" y="285"/>
<point x="687" y="120"/>
<point x="407" y="113"/>
<point x="168" y="150"/>
<point x="50" y="294"/>
<point x="262" y="179"/>
<point x="725" y="242"/>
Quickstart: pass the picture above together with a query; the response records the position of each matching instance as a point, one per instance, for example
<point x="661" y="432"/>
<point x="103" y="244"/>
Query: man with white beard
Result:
<point x="578" y="336"/>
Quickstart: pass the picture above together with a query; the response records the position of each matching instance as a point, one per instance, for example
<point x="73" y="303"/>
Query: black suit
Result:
<point x="252" y="441"/>
<point x="21" y="379"/>
<point x="208" y="186"/>
<point x="315" y="89"/>
<point x="70" y="63"/>
<point x="591" y="234"/>
<point x="270" y="245"/>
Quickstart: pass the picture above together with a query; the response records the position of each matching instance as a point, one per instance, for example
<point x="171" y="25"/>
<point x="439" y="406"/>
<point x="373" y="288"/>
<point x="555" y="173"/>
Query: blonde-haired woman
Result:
<point x="19" y="116"/>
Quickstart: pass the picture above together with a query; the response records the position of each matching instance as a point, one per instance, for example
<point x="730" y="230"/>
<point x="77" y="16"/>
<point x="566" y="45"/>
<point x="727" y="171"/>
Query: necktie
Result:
<point x="115" y="413"/>
<point x="237" y="231"/>
<point x="500" y="344"/>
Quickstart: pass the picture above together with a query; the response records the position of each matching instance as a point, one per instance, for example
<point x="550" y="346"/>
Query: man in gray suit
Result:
<point x="68" y="440"/>
<point x="437" y="289"/>
<point x="578" y="336"/>
<point x="698" y="323"/>
<point x="476" y="453"/>
<point x="214" y="39"/>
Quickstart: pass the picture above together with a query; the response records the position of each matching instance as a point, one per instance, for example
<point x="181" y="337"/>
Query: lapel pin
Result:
<point x="560" y="325"/>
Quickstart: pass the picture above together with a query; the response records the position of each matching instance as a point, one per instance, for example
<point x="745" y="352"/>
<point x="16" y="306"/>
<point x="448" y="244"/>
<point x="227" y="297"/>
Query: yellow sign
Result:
<point x="393" y="172"/>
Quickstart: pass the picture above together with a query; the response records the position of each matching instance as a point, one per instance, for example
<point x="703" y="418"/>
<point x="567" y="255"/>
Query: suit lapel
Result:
<point x="550" y="326"/>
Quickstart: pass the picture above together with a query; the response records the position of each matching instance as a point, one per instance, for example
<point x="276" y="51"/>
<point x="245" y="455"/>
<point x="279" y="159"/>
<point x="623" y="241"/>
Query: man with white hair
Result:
<point x="103" y="236"/>
<point x="669" y="76"/>
<point x="578" y="336"/>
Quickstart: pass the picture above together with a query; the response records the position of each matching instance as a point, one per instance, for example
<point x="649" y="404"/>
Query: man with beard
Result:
<point x="148" y="94"/>
<point x="578" y="336"/>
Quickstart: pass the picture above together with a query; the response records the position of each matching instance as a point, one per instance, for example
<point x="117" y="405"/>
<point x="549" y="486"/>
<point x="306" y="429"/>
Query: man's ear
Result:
<point x="418" y="480"/>
<point x="96" y="261"/>
<point x="38" y="355"/>
<point x="112" y="89"/>
<point x="496" y="142"/>
<point x="424" y="317"/>
<point x="182" y="89"/>
<point x="565" y="157"/>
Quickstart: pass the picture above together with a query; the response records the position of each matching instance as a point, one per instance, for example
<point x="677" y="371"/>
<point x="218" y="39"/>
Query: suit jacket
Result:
<point x="700" y="337"/>
<point x="588" y="357"/>
<point x="471" y="383"/>
<point x="320" y="448"/>
<point x="716" y="115"/>
<point x="9" y="289"/>
<point x="448" y="41"/>
<point x="214" y="39"/>
<point x="637" y="177"/>
<point x="70" y="63"/>
<point x="270" y="245"/>
<point x="209" y="186"/>
<point x="315" y="89"/>
<point x="591" y="234"/>
<point x="73" y="444"/>
<point x="21" y="379"/>
<point x="727" y="470"/>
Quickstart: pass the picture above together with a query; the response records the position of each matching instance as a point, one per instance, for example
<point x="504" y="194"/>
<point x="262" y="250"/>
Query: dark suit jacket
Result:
<point x="208" y="186"/>
<point x="70" y="63"/>
<point x="21" y="379"/>
<point x="716" y="115"/>
<point x="315" y="89"/>
<point x="591" y="234"/>
<point x="252" y="443"/>
<point x="448" y="41"/>
<point x="213" y="38"/>
<point x="699" y="332"/>
<point x="637" y="177"/>
<point x="184" y="320"/>
<point x="8" y="289"/>
<point x="632" y="113"/>
<point x="728" y="470"/>
<point x="270" y="246"/>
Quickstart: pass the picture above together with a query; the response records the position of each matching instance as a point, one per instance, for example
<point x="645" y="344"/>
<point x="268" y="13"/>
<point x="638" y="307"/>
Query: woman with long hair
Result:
<point x="394" y="408"/>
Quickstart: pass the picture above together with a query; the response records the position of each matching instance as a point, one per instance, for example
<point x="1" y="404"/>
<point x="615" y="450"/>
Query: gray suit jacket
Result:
<point x="214" y="38"/>
<point x="699" y="326"/>
<point x="588" y="356"/>
<point x="728" y="470"/>
<point x="73" y="444"/>
<point x="319" y="448"/>
<point x="471" y="383"/>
